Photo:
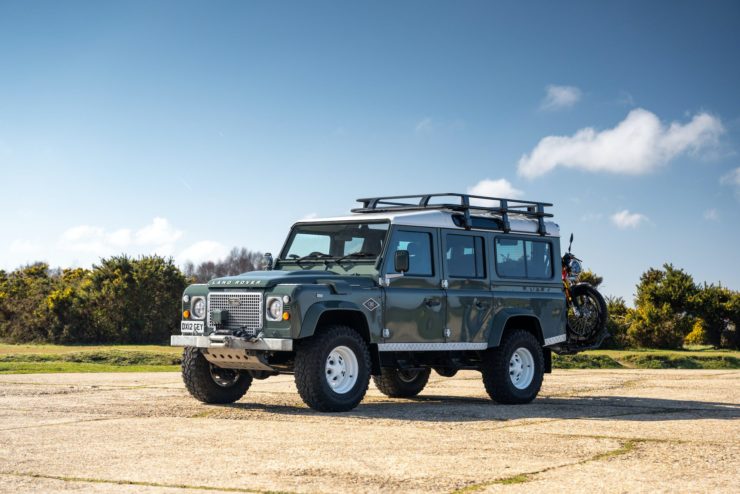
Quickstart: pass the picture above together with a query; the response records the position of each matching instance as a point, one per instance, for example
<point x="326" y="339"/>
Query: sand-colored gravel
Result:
<point x="603" y="431"/>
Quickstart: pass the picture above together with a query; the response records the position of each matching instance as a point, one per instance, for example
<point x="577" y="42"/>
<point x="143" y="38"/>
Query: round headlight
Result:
<point x="575" y="267"/>
<point x="199" y="308"/>
<point x="186" y="298"/>
<point x="275" y="309"/>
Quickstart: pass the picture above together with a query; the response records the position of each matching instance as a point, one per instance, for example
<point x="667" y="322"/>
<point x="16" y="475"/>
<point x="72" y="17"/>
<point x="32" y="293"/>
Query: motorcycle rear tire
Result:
<point x="598" y="331"/>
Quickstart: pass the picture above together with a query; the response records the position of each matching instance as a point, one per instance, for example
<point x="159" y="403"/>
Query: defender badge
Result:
<point x="234" y="302"/>
<point x="370" y="304"/>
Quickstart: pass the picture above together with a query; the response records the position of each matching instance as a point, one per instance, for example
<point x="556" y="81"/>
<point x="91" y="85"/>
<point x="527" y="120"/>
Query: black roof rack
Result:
<point x="462" y="204"/>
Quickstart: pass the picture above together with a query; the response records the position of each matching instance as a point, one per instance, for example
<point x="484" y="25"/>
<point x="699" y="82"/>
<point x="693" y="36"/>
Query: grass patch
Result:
<point x="110" y="357"/>
<point x="584" y="361"/>
<point x="37" y="359"/>
<point x="515" y="479"/>
<point x="682" y="361"/>
<point x="66" y="367"/>
<point x="12" y="349"/>
<point x="649" y="359"/>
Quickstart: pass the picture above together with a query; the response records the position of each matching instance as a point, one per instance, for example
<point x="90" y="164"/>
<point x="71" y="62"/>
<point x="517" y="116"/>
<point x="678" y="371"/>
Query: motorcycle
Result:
<point x="587" y="313"/>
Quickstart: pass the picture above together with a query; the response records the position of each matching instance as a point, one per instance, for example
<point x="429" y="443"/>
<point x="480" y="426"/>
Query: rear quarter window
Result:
<point x="518" y="258"/>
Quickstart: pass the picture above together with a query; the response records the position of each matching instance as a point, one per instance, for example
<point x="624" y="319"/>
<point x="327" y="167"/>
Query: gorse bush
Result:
<point x="121" y="300"/>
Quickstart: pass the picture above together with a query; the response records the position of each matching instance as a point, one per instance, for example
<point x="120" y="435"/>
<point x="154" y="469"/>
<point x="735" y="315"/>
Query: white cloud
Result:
<point x="430" y="125"/>
<point x="205" y="250"/>
<point x="424" y="125"/>
<point x="711" y="214"/>
<point x="638" y="144"/>
<point x="158" y="237"/>
<point x="159" y="232"/>
<point x="24" y="247"/>
<point x="494" y="188"/>
<point x="624" y="219"/>
<point x="558" y="97"/>
<point x="732" y="179"/>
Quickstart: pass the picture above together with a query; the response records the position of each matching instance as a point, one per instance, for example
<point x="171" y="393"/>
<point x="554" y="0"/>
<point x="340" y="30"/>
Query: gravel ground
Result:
<point x="609" y="431"/>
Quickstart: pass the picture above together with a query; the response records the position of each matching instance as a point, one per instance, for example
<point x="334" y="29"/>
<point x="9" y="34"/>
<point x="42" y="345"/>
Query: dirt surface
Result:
<point x="609" y="431"/>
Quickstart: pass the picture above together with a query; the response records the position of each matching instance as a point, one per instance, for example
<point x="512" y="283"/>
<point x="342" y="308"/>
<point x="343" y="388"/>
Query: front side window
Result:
<point x="419" y="246"/>
<point x="523" y="258"/>
<point x="464" y="256"/>
<point x="321" y="241"/>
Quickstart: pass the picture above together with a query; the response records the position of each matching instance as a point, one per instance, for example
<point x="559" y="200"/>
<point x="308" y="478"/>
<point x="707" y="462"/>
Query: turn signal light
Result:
<point x="186" y="314"/>
<point x="286" y="316"/>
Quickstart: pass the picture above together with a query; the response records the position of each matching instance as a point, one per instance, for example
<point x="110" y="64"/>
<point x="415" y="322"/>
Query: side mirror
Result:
<point x="267" y="262"/>
<point x="401" y="261"/>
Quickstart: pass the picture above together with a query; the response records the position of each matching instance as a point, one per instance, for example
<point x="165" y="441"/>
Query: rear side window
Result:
<point x="523" y="258"/>
<point x="464" y="256"/>
<point x="419" y="245"/>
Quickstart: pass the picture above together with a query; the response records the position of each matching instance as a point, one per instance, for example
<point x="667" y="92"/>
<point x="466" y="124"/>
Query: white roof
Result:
<point x="438" y="219"/>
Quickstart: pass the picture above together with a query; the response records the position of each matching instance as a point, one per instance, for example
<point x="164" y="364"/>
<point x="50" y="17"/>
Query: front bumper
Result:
<point x="269" y="344"/>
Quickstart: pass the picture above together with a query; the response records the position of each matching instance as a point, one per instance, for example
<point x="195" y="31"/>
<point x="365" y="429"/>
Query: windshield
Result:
<point x="362" y="241"/>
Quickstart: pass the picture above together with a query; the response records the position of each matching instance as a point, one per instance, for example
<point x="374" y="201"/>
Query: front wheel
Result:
<point x="398" y="383"/>
<point x="211" y="384"/>
<point x="513" y="371"/>
<point x="332" y="369"/>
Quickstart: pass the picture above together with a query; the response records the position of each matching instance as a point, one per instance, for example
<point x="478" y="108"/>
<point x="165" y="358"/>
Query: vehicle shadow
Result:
<point x="441" y="408"/>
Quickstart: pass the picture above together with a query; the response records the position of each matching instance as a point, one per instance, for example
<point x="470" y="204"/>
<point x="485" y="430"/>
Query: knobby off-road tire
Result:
<point x="332" y="369"/>
<point x="202" y="379"/>
<point x="401" y="384"/>
<point x="512" y="372"/>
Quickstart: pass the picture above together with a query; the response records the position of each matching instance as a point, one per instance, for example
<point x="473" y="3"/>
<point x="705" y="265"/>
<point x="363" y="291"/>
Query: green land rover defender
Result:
<point x="402" y="286"/>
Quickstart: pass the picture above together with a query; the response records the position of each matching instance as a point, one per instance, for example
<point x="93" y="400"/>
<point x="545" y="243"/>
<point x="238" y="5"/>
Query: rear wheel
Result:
<point x="332" y="369"/>
<point x="513" y="372"/>
<point x="398" y="383"/>
<point x="211" y="384"/>
<point x="586" y="316"/>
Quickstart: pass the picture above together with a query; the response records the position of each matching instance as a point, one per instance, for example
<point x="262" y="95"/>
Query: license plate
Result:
<point x="191" y="326"/>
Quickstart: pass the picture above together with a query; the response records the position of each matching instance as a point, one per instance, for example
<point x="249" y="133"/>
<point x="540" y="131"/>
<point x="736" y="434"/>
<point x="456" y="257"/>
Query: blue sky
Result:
<point x="186" y="128"/>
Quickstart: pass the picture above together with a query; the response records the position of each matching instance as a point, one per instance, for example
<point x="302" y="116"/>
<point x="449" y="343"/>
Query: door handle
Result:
<point x="432" y="302"/>
<point x="481" y="305"/>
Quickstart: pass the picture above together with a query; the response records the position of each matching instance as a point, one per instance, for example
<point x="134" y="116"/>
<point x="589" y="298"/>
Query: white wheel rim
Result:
<point x="341" y="369"/>
<point x="521" y="368"/>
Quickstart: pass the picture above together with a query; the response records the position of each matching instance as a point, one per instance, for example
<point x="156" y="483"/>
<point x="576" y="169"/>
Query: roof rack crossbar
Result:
<point x="463" y="203"/>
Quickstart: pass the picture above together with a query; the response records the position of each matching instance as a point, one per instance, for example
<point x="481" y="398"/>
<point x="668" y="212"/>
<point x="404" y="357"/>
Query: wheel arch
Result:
<point x="512" y="322"/>
<point x="322" y="315"/>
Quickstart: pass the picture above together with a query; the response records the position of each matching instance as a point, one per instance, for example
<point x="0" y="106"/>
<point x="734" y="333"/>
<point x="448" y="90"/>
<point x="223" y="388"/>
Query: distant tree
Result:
<point x="719" y="309"/>
<point x="238" y="261"/>
<point x="134" y="300"/>
<point x="670" y="286"/>
<point x="24" y="316"/>
<point x="69" y="305"/>
<point x="617" y="322"/>
<point x="658" y="327"/>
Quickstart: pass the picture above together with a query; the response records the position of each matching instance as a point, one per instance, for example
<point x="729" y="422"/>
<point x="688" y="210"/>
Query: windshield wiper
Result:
<point x="312" y="255"/>
<point x="357" y="255"/>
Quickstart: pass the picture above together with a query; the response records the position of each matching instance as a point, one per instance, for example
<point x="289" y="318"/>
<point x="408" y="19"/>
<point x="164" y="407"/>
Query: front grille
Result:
<point x="245" y="309"/>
